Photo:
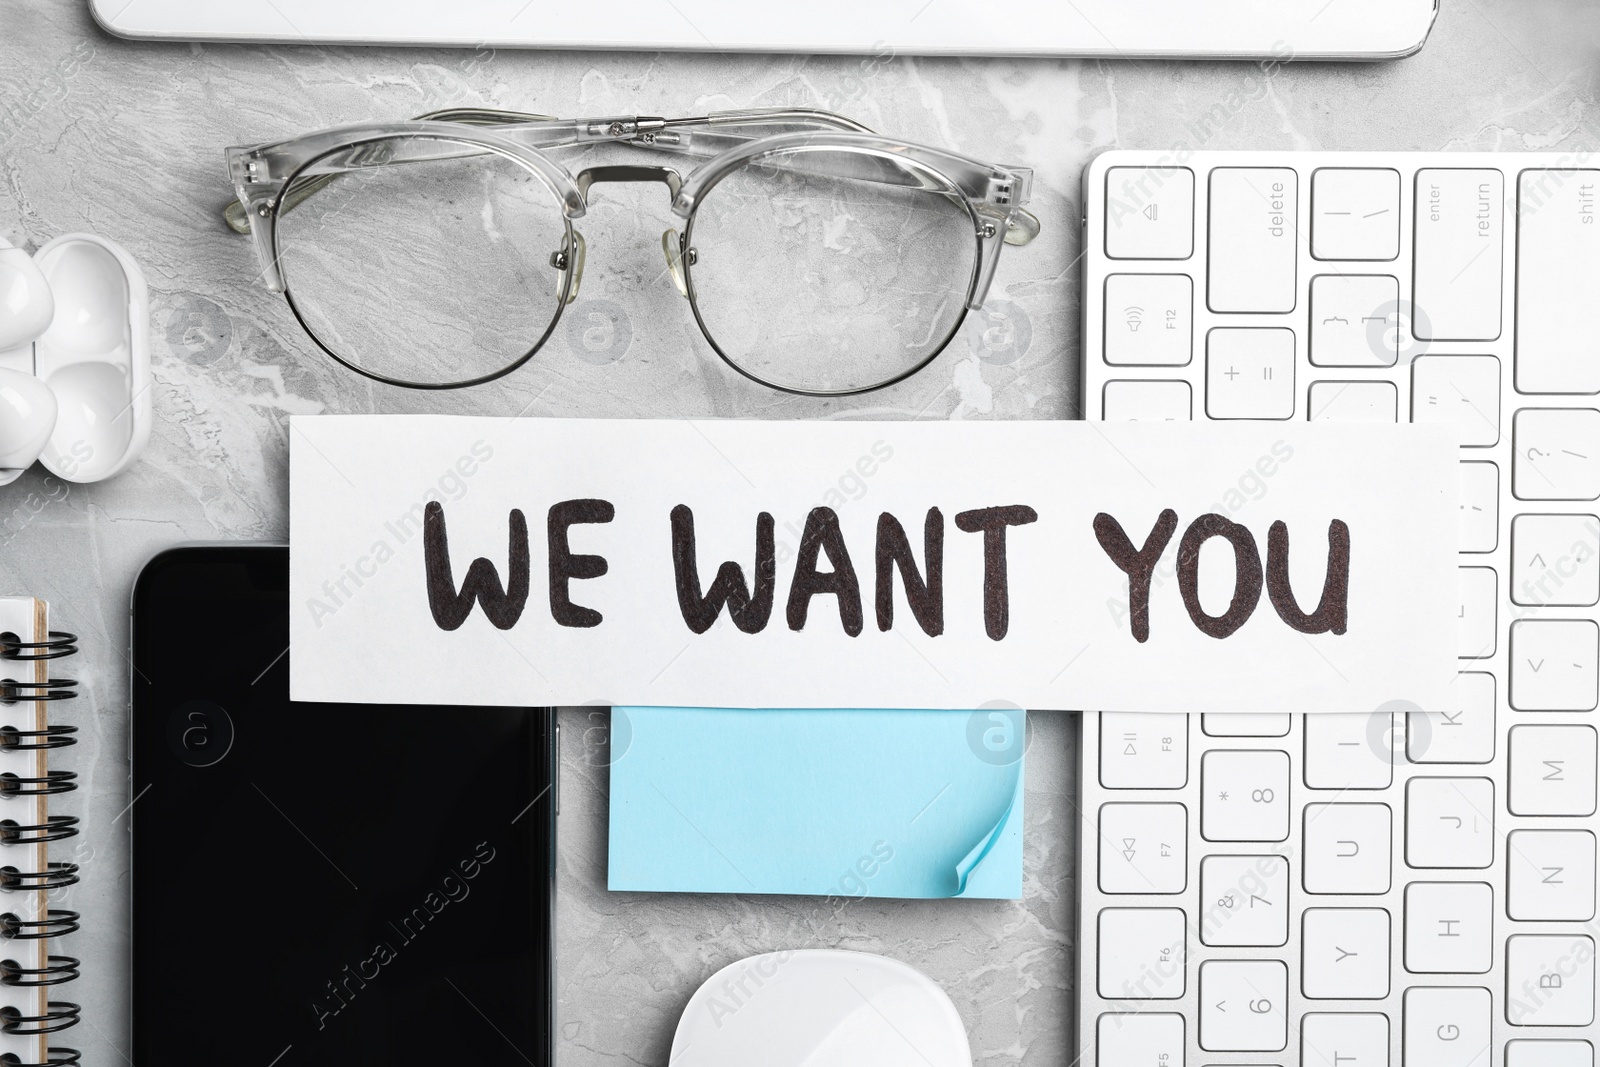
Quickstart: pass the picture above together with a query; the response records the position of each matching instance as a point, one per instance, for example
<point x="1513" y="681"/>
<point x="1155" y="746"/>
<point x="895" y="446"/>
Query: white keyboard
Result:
<point x="1374" y="889"/>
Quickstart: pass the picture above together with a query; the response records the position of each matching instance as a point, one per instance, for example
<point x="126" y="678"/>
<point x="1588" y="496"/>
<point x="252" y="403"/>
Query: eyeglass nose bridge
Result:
<point x="626" y="173"/>
<point x="671" y="244"/>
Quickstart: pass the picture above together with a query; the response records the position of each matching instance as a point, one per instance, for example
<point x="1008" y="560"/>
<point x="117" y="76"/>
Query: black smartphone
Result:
<point x="325" y="884"/>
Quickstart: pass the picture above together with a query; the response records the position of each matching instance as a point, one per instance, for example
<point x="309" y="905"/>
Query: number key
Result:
<point x="1244" y="900"/>
<point x="1242" y="1005"/>
<point x="1244" y="796"/>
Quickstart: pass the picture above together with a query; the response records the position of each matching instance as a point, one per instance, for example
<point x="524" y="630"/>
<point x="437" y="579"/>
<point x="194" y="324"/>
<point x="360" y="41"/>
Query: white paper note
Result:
<point x="1290" y="567"/>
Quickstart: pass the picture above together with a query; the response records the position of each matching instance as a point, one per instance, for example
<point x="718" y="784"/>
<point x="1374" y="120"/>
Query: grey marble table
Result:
<point x="125" y="140"/>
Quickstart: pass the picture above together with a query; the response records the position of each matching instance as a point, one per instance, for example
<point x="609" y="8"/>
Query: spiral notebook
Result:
<point x="30" y="883"/>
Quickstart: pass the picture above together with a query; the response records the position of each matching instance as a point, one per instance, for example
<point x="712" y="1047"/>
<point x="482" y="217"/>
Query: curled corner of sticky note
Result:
<point x="993" y="868"/>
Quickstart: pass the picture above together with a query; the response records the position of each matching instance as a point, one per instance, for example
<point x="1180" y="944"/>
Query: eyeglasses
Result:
<point x="817" y="257"/>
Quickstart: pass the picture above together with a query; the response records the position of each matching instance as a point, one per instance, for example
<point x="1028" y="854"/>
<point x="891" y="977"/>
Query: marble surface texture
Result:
<point x="125" y="140"/>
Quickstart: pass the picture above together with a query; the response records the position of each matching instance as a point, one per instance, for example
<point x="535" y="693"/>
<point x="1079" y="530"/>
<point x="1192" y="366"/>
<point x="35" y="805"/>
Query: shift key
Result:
<point x="1252" y="239"/>
<point x="1558" y="275"/>
<point x="1460" y="231"/>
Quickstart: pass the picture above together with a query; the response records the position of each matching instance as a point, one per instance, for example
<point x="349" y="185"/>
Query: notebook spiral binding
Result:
<point x="57" y="922"/>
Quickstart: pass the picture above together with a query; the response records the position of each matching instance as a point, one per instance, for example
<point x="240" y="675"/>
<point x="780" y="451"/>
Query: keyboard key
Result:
<point x="1480" y="507"/>
<point x="1447" y="1027"/>
<point x="1553" y="560"/>
<point x="1245" y="900"/>
<point x="1355" y="213"/>
<point x="1552" y="770"/>
<point x="1449" y="927"/>
<point x="1244" y="724"/>
<point x="1149" y="212"/>
<point x="1553" y="664"/>
<point x="1347" y="848"/>
<point x="1349" y="751"/>
<point x="1558" y="272"/>
<point x="1464" y="736"/>
<point x="1143" y="751"/>
<point x="1148" y="319"/>
<point x="1344" y="1040"/>
<point x="1141" y="953"/>
<point x="1460" y="221"/>
<point x="1550" y="875"/>
<point x="1353" y="320"/>
<point x="1242" y="1005"/>
<point x="1450" y="822"/>
<point x="1549" y="1054"/>
<point x="1244" y="796"/>
<point x="1254" y="238"/>
<point x="1345" y="953"/>
<point x="1352" y="402"/>
<point x="1464" y="390"/>
<point x="1555" y="454"/>
<point x="1250" y="373"/>
<point x="1146" y="1039"/>
<point x="1143" y="848"/>
<point x="1128" y="401"/>
<point x="1475" y="623"/>
<point x="1549" y="980"/>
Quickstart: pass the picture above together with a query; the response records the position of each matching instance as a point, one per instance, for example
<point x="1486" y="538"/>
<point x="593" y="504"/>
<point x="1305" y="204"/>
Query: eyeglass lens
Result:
<point x="432" y="271"/>
<point x="831" y="272"/>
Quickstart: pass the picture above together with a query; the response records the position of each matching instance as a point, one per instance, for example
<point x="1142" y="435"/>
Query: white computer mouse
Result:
<point x="820" y="1008"/>
<point x="26" y="305"/>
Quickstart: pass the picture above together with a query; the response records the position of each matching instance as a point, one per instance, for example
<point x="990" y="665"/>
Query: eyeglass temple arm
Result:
<point x="664" y="135"/>
<point x="238" y="218"/>
<point x="548" y="133"/>
<point x="670" y="135"/>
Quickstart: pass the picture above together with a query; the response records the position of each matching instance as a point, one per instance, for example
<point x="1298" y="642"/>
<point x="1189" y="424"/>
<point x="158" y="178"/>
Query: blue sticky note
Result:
<point x="881" y="803"/>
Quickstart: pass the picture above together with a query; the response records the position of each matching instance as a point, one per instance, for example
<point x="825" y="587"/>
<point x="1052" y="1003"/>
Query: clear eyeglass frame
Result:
<point x="273" y="179"/>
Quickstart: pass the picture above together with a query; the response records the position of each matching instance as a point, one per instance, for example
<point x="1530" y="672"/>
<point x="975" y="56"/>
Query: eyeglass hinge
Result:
<point x="1001" y="190"/>
<point x="639" y="128"/>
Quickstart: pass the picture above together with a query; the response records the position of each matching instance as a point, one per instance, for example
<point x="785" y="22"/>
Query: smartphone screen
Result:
<point x="322" y="884"/>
